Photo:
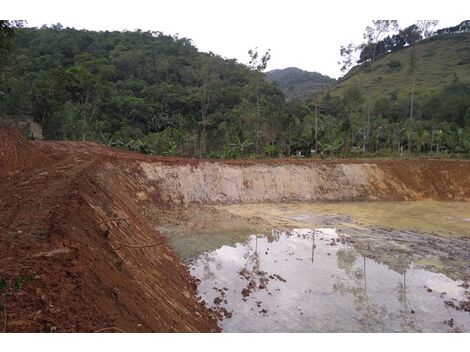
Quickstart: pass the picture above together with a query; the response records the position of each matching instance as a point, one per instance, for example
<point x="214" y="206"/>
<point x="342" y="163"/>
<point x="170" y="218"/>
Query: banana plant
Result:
<point x="171" y="149"/>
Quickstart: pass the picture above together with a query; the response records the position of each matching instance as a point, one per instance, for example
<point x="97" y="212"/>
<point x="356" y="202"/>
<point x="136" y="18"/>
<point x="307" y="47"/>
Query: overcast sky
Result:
<point x="304" y="34"/>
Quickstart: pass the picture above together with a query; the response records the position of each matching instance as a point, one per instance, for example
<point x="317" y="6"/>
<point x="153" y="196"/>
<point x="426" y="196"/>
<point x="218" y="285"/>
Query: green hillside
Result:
<point x="440" y="61"/>
<point x="297" y="83"/>
<point x="159" y="94"/>
<point x="141" y="90"/>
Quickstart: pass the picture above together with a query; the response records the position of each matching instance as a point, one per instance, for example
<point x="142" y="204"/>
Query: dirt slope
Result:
<point x="77" y="248"/>
<point x="82" y="270"/>
<point x="16" y="153"/>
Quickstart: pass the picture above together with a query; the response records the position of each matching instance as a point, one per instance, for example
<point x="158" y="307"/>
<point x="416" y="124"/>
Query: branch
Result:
<point x="107" y="220"/>
<point x="110" y="328"/>
<point x="136" y="246"/>
<point x="5" y="318"/>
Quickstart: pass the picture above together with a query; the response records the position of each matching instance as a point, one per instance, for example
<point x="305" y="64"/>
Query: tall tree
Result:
<point x="369" y="50"/>
<point x="424" y="30"/>
<point x="208" y="80"/>
<point x="257" y="65"/>
<point x="7" y="30"/>
<point x="373" y="35"/>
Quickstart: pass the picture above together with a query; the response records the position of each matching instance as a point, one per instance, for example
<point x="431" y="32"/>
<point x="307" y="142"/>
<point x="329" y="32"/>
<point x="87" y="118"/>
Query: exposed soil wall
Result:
<point x="209" y="182"/>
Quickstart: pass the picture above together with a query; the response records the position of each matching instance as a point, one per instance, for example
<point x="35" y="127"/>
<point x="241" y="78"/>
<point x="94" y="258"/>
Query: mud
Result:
<point x="82" y="221"/>
<point x="433" y="235"/>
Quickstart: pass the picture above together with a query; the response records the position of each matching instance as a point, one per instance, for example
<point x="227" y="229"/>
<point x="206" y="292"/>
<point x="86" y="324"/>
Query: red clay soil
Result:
<point x="76" y="258"/>
<point x="76" y="253"/>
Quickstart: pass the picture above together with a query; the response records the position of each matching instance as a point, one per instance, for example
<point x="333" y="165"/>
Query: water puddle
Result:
<point x="313" y="280"/>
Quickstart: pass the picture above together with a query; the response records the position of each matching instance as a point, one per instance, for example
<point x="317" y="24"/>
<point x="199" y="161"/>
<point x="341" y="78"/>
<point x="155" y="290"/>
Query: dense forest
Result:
<point x="297" y="83"/>
<point x="159" y="94"/>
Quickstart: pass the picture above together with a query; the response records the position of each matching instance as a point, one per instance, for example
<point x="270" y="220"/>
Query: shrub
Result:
<point x="394" y="64"/>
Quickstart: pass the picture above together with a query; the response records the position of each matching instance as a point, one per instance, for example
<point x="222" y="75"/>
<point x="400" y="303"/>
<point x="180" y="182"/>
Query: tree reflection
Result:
<point x="207" y="260"/>
<point x="406" y="314"/>
<point x="372" y="316"/>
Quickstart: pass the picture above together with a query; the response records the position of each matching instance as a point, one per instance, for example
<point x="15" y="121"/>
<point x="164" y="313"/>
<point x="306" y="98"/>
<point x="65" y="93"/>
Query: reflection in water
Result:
<point x="313" y="280"/>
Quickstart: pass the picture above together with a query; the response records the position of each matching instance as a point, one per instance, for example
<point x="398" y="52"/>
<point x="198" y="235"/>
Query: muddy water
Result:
<point x="370" y="267"/>
<point x="442" y="218"/>
<point x="312" y="281"/>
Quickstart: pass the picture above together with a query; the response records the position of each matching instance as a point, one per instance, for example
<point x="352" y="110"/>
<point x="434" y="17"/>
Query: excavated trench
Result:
<point x="247" y="232"/>
<point x="104" y="239"/>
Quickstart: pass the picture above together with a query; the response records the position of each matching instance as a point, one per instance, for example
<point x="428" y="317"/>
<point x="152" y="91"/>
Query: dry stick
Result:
<point x="5" y="318"/>
<point x="136" y="246"/>
<point x="110" y="328"/>
<point x="107" y="220"/>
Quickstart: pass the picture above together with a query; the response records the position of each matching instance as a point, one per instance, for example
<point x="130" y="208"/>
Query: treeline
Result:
<point x="407" y="36"/>
<point x="158" y="94"/>
<point x="137" y="89"/>
<point x="463" y="27"/>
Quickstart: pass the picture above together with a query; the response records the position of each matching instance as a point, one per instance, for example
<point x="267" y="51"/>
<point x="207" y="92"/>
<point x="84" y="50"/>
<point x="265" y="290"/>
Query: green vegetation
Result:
<point x="411" y="91"/>
<point x="296" y="83"/>
<point x="441" y="61"/>
<point x="157" y="94"/>
<point x="139" y="90"/>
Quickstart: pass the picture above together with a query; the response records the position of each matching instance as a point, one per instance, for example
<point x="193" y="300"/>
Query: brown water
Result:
<point x="308" y="280"/>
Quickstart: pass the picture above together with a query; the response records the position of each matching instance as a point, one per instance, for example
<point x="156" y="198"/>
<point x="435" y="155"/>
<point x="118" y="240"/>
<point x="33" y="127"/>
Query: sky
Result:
<point x="303" y="34"/>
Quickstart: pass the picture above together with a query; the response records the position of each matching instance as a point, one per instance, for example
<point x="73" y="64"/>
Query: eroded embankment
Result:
<point x="77" y="227"/>
<point x="209" y="182"/>
<point x="77" y="255"/>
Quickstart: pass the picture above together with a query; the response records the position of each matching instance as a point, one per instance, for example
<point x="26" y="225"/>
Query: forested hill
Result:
<point x="159" y="94"/>
<point x="297" y="83"/>
<point x="135" y="87"/>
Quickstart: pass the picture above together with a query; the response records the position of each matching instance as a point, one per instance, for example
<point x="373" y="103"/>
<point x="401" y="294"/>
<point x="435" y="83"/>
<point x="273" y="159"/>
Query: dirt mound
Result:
<point x="77" y="255"/>
<point x="17" y="153"/>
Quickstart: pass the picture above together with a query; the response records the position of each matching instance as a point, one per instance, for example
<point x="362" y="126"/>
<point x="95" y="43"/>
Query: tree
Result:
<point x="257" y="65"/>
<point x="373" y="34"/>
<point x="209" y="82"/>
<point x="426" y="27"/>
<point x="81" y="85"/>
<point x="371" y="48"/>
<point x="7" y="30"/>
<point x="348" y="57"/>
<point x="351" y="106"/>
<point x="407" y="36"/>
<point x="422" y="29"/>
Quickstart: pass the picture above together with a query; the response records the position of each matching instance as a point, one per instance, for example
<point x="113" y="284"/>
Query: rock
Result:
<point x="217" y="300"/>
